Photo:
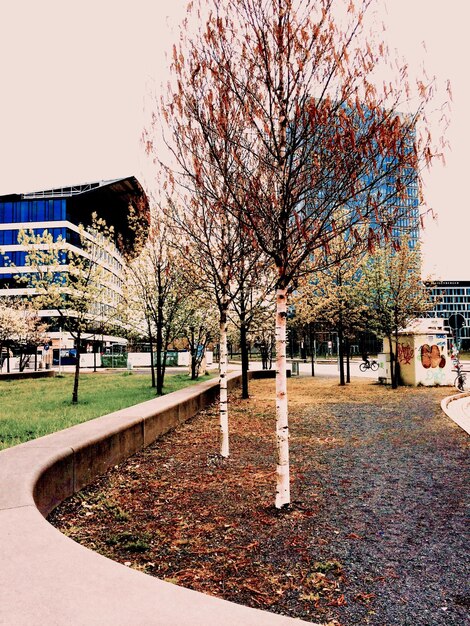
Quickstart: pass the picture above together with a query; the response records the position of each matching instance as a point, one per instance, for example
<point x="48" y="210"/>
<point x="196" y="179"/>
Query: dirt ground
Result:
<point x="376" y="532"/>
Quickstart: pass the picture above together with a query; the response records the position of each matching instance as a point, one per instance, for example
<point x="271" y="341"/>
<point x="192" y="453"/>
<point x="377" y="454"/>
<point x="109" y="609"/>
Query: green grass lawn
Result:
<point x="35" y="407"/>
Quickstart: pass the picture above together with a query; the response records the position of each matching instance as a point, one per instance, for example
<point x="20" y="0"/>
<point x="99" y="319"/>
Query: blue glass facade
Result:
<point x="22" y="211"/>
<point x="60" y="212"/>
<point x="10" y="236"/>
<point x="17" y="213"/>
<point x="36" y="211"/>
<point x="384" y="179"/>
<point x="399" y="190"/>
<point x="12" y="258"/>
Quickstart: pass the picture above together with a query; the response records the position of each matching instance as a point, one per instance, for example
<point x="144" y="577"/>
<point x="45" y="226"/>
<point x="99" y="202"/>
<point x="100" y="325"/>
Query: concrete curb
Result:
<point x="28" y="374"/>
<point x="47" y="578"/>
<point x="457" y="408"/>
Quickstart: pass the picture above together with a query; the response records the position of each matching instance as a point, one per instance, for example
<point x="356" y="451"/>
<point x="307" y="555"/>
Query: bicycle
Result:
<point x="460" y="382"/>
<point x="366" y="365"/>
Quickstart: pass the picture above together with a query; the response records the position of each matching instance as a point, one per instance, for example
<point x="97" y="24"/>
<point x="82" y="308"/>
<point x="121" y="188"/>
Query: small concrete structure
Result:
<point x="46" y="579"/>
<point x="422" y="355"/>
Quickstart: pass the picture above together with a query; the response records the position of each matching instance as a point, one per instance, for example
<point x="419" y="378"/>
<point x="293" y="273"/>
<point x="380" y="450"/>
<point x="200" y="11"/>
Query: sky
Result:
<point x="76" y="78"/>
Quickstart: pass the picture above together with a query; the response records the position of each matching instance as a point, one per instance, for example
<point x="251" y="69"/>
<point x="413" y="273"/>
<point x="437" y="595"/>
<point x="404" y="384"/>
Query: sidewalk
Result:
<point x="457" y="407"/>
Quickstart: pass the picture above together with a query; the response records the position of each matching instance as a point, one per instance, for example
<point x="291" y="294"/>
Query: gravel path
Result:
<point x="400" y="482"/>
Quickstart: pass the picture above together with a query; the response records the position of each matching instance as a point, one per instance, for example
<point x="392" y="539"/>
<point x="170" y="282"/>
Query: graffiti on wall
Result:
<point x="436" y="376"/>
<point x="404" y="354"/>
<point x="431" y="357"/>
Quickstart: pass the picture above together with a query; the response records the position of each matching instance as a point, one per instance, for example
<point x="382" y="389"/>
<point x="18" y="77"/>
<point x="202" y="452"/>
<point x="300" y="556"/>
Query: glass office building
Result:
<point x="60" y="212"/>
<point x="398" y="188"/>
<point x="381" y="181"/>
<point x="451" y="302"/>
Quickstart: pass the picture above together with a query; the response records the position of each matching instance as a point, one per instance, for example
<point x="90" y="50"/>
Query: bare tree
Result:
<point x="218" y="246"/>
<point x="276" y="101"/>
<point x="215" y="255"/>
<point x="253" y="282"/>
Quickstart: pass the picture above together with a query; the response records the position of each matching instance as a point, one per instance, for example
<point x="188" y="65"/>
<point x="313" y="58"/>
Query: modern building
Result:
<point x="384" y="179"/>
<point x="60" y="212"/>
<point x="451" y="301"/>
<point x="399" y="188"/>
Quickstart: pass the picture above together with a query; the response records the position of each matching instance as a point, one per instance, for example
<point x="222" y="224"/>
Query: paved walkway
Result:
<point x="457" y="407"/>
<point x="399" y="488"/>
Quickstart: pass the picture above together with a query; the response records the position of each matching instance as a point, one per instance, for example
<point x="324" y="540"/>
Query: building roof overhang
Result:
<point x="111" y="200"/>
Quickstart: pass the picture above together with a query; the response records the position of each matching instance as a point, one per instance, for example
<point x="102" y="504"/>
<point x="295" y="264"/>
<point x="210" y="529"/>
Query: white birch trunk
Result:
<point x="282" y="422"/>
<point x="224" y="447"/>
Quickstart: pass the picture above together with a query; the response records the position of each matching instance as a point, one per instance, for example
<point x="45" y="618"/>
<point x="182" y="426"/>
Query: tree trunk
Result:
<point x="282" y="420"/>
<point x="77" y="371"/>
<point x="264" y="355"/>
<point x="159" y="342"/>
<point x="395" y="379"/>
<point x="152" y="364"/>
<point x="342" y="381"/>
<point x="223" y="407"/>
<point x="348" y="363"/>
<point x="393" y="368"/>
<point x="195" y="348"/>
<point x="193" y="356"/>
<point x="312" y="347"/>
<point x="165" y="353"/>
<point x="245" y="356"/>
<point x="159" y="353"/>
<point x="392" y="362"/>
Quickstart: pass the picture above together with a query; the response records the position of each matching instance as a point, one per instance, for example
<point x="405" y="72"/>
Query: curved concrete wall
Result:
<point x="457" y="407"/>
<point x="47" y="579"/>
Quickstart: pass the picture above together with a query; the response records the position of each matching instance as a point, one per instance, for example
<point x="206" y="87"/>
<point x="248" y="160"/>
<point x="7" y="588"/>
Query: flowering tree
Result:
<point x="335" y="294"/>
<point x="20" y="328"/>
<point x="158" y="286"/>
<point x="277" y="102"/>
<point x="8" y="324"/>
<point x="396" y="294"/>
<point x="74" y="282"/>
<point x="200" y="328"/>
<point x="29" y="331"/>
